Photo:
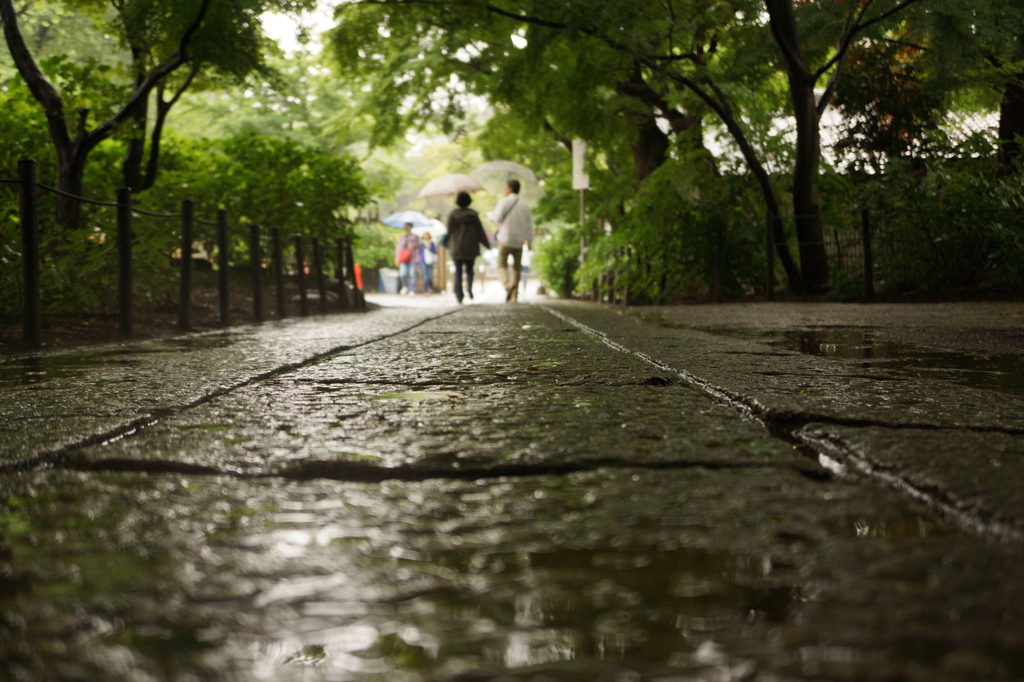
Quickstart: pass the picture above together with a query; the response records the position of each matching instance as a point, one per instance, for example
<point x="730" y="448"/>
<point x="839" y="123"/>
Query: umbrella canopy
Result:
<point x="436" y="229"/>
<point x="450" y="184"/>
<point x="493" y="175"/>
<point x="402" y="217"/>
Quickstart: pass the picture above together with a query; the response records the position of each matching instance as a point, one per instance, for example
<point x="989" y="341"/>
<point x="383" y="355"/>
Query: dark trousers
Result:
<point x="461" y="265"/>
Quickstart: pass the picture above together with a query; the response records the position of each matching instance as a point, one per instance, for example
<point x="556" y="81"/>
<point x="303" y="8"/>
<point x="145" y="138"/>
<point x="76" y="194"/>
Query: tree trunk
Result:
<point x="135" y="147"/>
<point x="72" y="154"/>
<point x="1011" y="121"/>
<point x="650" y="150"/>
<point x="764" y="181"/>
<point x="135" y="151"/>
<point x="813" y="259"/>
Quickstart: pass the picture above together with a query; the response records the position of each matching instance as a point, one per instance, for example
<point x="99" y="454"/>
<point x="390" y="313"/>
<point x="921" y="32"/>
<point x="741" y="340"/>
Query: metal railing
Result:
<point x="349" y="295"/>
<point x="865" y="250"/>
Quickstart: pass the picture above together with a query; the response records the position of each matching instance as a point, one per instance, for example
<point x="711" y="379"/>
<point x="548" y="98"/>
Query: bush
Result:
<point x="959" y="224"/>
<point x="556" y="256"/>
<point x="680" y="236"/>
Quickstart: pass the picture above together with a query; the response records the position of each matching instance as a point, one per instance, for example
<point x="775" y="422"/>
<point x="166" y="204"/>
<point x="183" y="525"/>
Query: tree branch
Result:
<point x="163" y="109"/>
<point x="564" y="141"/>
<point x="143" y="91"/>
<point x="885" y="15"/>
<point x="640" y="89"/>
<point x="41" y="88"/>
<point x="857" y="27"/>
<point x="782" y="23"/>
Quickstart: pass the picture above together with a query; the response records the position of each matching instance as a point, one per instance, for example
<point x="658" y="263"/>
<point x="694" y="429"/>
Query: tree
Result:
<point x="73" y="145"/>
<point x="162" y="40"/>
<point x="804" y="76"/>
<point x="575" y="76"/>
<point x="683" y="50"/>
<point x="890" y="107"/>
<point x="979" y="46"/>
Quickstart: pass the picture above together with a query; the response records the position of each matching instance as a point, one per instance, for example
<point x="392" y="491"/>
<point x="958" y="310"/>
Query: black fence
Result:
<point x="870" y="252"/>
<point x="348" y="295"/>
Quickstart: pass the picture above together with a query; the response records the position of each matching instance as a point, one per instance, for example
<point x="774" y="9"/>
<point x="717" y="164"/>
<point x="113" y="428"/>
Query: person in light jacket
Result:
<point x="465" y="235"/>
<point x="514" y="219"/>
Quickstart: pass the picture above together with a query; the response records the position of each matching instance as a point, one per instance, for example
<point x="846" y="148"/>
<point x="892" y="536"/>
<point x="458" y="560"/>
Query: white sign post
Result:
<point x="581" y="182"/>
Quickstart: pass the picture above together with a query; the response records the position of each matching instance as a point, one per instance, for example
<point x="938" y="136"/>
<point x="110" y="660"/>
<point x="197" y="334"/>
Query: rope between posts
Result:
<point x="94" y="202"/>
<point x="156" y="215"/>
<point x="10" y="181"/>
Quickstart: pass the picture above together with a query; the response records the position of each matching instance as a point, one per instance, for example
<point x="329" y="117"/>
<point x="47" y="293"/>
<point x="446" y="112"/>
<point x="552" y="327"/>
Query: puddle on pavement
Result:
<point x="397" y="582"/>
<point x="991" y="371"/>
<point x="38" y="369"/>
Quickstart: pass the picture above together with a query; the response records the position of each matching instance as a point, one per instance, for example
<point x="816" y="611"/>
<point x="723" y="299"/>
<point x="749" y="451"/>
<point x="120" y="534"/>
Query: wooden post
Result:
<point x="441" y="270"/>
<point x="28" y="206"/>
<point x="719" y="261"/>
<point x="342" y="286"/>
<point x="629" y="268"/>
<point x="613" y="280"/>
<point x="300" y="259"/>
<point x="278" y="255"/>
<point x="869" y="259"/>
<point x="124" y="260"/>
<point x="318" y="271"/>
<point x="188" y="210"/>
<point x="770" y="258"/>
<point x="256" y="264"/>
<point x="223" y="263"/>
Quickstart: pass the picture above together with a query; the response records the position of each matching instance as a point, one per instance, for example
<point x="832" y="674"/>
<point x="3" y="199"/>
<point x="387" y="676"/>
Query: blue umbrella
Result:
<point x="402" y="217"/>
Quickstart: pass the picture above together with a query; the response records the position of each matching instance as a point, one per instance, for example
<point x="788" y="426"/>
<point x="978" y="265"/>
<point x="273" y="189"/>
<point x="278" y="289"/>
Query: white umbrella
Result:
<point x="415" y="218"/>
<point x="436" y="229"/>
<point x="450" y="184"/>
<point x="494" y="175"/>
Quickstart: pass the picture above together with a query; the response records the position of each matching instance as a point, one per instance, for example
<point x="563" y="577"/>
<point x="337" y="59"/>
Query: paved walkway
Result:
<point x="545" y="490"/>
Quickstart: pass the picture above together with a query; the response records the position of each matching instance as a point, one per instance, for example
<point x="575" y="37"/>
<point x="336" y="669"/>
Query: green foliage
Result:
<point x="257" y="179"/>
<point x="374" y="245"/>
<point x="556" y="256"/>
<point x="264" y="180"/>
<point x="956" y="224"/>
<point x="78" y="269"/>
<point x="669" y="246"/>
<point x="889" y="106"/>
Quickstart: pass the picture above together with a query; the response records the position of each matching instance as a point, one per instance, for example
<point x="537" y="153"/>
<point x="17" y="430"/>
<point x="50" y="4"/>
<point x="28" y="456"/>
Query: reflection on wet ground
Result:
<point x="491" y="495"/>
<point x="37" y="369"/>
<point x="870" y="348"/>
<point x="607" y="575"/>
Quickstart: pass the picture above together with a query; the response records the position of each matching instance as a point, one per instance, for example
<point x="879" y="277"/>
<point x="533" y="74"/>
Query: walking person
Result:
<point x="465" y="235"/>
<point x="407" y="258"/>
<point x="428" y="257"/>
<point x="514" y="219"/>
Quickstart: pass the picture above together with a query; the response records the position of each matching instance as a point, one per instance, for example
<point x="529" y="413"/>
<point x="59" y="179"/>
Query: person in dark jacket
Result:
<point x="465" y="235"/>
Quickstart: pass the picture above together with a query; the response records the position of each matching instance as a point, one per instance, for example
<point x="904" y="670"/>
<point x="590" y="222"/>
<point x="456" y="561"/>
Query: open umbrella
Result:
<point x="436" y="228"/>
<point x="402" y="217"/>
<point x="494" y="175"/>
<point x="450" y="184"/>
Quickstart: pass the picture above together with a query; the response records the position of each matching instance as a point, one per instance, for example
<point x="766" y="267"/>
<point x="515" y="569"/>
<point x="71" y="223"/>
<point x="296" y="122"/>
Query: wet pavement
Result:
<point x="541" y="491"/>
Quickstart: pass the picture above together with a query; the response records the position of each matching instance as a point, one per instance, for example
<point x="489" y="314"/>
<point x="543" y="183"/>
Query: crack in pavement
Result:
<point x="832" y="452"/>
<point x="832" y="456"/>
<point x="970" y="516"/>
<point x="358" y="472"/>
